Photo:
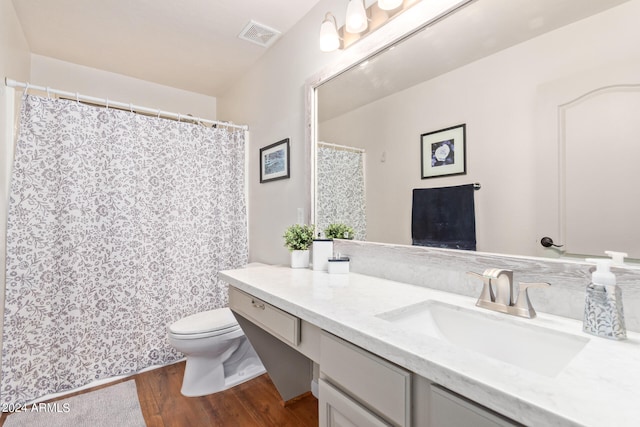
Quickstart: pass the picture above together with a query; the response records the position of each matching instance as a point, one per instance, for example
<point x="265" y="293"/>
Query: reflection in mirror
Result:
<point x="599" y="151"/>
<point x="340" y="188"/>
<point x="504" y="69"/>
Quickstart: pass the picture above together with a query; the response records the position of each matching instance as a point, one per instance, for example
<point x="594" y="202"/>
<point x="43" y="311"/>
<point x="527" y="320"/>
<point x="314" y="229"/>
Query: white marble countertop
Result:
<point x="599" y="387"/>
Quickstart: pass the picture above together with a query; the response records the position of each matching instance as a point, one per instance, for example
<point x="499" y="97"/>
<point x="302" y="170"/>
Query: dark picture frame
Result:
<point x="275" y="161"/>
<point x="443" y="152"/>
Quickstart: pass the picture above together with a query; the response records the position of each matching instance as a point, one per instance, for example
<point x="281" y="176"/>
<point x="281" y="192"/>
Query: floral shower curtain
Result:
<point x="117" y="226"/>
<point x="341" y="188"/>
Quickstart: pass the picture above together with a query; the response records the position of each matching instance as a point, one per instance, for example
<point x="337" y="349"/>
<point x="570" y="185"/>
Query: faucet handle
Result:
<point x="487" y="292"/>
<point x="523" y="304"/>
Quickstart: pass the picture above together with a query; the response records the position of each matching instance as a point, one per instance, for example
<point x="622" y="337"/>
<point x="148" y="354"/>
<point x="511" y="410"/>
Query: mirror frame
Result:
<point x="415" y="19"/>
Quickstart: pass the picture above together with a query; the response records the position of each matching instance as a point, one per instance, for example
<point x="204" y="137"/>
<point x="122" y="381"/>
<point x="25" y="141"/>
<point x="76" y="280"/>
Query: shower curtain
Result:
<point x="341" y="188"/>
<point x="117" y="226"/>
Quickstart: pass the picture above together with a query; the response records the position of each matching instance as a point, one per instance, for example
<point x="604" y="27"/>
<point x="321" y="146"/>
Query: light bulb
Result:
<point x="389" y="4"/>
<point x="329" y="38"/>
<point x="356" y="17"/>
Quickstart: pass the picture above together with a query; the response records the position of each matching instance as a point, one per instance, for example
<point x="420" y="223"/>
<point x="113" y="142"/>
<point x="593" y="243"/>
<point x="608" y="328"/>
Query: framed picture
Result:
<point x="443" y="152"/>
<point x="274" y="161"/>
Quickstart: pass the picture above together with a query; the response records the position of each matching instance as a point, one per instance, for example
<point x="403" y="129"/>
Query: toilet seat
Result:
<point x="205" y="324"/>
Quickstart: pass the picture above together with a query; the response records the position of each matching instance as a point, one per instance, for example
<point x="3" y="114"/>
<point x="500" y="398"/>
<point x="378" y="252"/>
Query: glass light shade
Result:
<point x="356" y="17"/>
<point x="329" y="38"/>
<point x="389" y="4"/>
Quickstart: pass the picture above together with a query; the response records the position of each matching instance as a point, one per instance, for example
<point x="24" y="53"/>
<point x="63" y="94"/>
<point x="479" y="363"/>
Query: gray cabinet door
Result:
<point x="339" y="410"/>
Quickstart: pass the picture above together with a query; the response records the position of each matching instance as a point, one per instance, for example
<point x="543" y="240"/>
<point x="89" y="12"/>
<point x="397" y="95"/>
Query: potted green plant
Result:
<point x="298" y="238"/>
<point x="339" y="231"/>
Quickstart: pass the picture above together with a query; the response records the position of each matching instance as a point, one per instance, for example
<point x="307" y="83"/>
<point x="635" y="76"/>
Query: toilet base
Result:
<point x="246" y="374"/>
<point x="203" y="376"/>
<point x="195" y="383"/>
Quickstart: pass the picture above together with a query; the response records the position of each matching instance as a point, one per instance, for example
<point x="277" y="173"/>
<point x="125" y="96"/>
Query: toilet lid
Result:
<point x="207" y="321"/>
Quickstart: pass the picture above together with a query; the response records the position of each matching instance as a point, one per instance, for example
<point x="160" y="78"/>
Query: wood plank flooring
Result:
<point x="254" y="403"/>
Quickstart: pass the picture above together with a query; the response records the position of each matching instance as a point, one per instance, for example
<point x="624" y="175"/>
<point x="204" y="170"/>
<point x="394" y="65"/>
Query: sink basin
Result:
<point x="537" y="349"/>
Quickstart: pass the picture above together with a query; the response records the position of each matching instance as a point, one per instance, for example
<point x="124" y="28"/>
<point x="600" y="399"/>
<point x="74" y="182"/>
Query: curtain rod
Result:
<point x="343" y="147"/>
<point x="79" y="97"/>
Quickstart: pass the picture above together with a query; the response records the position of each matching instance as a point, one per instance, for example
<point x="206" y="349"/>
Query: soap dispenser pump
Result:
<point x="603" y="313"/>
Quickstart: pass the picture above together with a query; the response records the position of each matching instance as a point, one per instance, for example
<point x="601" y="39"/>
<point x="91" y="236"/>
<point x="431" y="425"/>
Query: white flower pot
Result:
<point x="300" y="259"/>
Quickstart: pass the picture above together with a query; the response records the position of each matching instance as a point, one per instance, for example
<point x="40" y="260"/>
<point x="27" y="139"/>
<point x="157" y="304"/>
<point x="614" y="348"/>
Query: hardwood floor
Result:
<point x="254" y="403"/>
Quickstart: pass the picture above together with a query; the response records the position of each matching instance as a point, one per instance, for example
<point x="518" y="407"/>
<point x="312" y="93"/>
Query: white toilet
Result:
<point x="219" y="355"/>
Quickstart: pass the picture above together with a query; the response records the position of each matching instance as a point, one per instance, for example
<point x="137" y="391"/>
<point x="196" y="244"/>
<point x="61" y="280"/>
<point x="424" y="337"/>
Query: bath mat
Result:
<point x="116" y="405"/>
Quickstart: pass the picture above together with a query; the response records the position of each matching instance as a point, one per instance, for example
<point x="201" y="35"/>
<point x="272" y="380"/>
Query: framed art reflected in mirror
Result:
<point x="443" y="152"/>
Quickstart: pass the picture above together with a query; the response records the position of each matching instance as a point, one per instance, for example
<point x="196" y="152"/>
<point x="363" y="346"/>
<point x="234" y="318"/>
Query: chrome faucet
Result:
<point x="497" y="293"/>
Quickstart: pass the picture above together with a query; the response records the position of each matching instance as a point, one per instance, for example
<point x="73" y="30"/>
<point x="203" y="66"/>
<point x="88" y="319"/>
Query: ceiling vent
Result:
<point x="259" y="34"/>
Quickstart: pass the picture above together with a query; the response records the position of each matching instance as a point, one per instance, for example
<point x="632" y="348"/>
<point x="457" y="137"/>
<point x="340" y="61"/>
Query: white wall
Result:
<point x="71" y="77"/>
<point x="496" y="97"/>
<point x="270" y="99"/>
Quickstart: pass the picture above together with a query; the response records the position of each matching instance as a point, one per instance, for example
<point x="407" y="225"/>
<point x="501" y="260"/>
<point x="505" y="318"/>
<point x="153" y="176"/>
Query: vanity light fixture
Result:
<point x="356" y="21"/>
<point x="359" y="21"/>
<point x="329" y="37"/>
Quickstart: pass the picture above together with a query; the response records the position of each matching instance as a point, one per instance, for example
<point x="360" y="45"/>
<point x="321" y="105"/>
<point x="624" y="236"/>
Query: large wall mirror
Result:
<point x="549" y="93"/>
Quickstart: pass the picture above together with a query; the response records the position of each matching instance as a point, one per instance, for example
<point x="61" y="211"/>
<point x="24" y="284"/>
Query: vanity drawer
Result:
<point x="377" y="384"/>
<point x="277" y="322"/>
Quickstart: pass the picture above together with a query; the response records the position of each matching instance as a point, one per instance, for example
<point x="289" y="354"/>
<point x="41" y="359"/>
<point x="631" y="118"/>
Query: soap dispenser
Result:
<point x="321" y="251"/>
<point x="603" y="314"/>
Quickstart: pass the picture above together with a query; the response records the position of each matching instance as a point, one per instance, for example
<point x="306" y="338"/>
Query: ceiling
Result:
<point x="479" y="29"/>
<point x="191" y="45"/>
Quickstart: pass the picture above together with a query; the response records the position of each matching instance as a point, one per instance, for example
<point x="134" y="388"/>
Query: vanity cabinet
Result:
<point x="356" y="387"/>
<point x="360" y="388"/>
<point x="337" y="409"/>
<point x="286" y="345"/>
<point x="450" y="410"/>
